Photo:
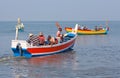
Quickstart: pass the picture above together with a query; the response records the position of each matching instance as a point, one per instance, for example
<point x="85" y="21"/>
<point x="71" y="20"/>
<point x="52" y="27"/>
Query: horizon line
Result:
<point x="56" y="20"/>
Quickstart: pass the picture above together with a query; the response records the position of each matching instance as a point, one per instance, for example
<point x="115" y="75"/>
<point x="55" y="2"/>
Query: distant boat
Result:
<point x="20" y="25"/>
<point x="86" y="31"/>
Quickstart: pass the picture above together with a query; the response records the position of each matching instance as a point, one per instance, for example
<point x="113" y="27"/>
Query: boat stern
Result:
<point x="19" y="48"/>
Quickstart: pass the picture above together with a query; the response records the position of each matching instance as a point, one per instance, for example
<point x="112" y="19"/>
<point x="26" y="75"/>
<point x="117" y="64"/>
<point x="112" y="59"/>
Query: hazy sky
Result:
<point x="59" y="10"/>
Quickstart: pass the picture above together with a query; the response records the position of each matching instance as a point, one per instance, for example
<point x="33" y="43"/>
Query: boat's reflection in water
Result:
<point x="39" y="66"/>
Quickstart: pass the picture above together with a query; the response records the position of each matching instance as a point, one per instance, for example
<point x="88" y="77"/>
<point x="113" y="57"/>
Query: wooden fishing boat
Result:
<point x="88" y="31"/>
<point x="23" y="48"/>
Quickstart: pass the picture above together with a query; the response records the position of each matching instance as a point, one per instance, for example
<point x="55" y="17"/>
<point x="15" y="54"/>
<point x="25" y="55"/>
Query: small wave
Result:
<point x="5" y="58"/>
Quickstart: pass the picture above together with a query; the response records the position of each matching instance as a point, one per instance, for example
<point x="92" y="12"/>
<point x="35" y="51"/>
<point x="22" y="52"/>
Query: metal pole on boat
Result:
<point x="16" y="37"/>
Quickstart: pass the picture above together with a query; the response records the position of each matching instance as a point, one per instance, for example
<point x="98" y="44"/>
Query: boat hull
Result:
<point x="24" y="49"/>
<point x="87" y="32"/>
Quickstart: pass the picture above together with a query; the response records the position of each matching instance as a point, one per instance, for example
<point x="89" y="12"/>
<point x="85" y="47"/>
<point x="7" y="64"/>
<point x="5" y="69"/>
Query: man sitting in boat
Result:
<point x="41" y="38"/>
<point x="85" y="28"/>
<point x="79" y="28"/>
<point x="33" y="40"/>
<point x="51" y="40"/>
<point x="98" y="28"/>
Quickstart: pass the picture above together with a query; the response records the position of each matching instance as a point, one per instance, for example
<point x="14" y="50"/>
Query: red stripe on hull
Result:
<point x="50" y="49"/>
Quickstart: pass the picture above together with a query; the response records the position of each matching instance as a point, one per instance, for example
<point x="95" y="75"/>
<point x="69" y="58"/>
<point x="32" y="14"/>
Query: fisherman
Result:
<point x="100" y="28"/>
<point x="33" y="40"/>
<point x="96" y="28"/>
<point x="41" y="38"/>
<point x="59" y="35"/>
<point x="51" y="40"/>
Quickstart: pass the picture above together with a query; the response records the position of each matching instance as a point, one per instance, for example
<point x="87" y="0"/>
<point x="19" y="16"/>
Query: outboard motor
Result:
<point x="19" y="48"/>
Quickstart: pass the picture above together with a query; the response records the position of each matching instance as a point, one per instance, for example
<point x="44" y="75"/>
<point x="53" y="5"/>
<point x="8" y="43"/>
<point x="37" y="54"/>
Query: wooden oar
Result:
<point x="58" y="25"/>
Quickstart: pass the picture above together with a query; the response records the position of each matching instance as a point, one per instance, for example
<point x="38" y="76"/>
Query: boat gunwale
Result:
<point x="54" y="45"/>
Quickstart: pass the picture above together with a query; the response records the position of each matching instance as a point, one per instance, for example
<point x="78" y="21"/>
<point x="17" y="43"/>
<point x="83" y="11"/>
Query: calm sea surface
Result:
<point x="93" y="56"/>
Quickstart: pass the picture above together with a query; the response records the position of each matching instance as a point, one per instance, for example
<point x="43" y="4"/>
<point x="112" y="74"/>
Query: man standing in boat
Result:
<point x="59" y="34"/>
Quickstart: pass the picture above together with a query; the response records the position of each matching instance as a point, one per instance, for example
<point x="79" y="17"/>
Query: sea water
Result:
<point x="93" y="56"/>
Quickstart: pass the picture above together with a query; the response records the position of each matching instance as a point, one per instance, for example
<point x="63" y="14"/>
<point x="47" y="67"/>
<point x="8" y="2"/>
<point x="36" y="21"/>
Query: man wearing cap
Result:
<point x="33" y="40"/>
<point x="41" y="38"/>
